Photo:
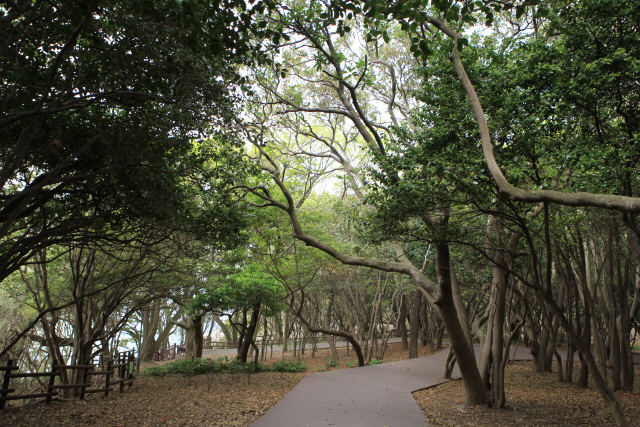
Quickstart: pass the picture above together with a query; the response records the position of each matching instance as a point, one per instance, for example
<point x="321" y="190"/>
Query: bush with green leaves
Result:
<point x="330" y="362"/>
<point x="284" y="366"/>
<point x="189" y="368"/>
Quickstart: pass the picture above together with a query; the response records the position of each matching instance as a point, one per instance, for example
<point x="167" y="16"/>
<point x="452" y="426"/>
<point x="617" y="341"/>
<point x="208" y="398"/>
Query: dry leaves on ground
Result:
<point x="221" y="399"/>
<point x="532" y="400"/>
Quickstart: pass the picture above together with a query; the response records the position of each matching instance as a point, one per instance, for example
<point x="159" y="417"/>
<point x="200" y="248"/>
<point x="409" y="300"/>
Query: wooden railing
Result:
<point x="119" y="373"/>
<point x="170" y="352"/>
<point x="208" y="343"/>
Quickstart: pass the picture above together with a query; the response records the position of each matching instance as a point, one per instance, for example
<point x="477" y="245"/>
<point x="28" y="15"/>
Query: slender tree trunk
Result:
<point x="424" y="322"/>
<point x="474" y="388"/>
<point x="248" y="333"/>
<point x="254" y="336"/>
<point x="614" y="338"/>
<point x="198" y="336"/>
<point x="415" y="324"/>
<point x="583" y="379"/>
<point x="461" y="309"/>
<point x="402" y="322"/>
<point x="485" y="356"/>
<point x="234" y="332"/>
<point x="223" y="328"/>
<point x="287" y="331"/>
<point x="349" y="337"/>
<point x="327" y="325"/>
<point x="152" y="344"/>
<point x="497" y="344"/>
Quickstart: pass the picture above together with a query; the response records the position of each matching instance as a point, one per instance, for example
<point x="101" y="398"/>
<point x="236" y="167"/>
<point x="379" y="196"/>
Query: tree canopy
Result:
<point x="459" y="165"/>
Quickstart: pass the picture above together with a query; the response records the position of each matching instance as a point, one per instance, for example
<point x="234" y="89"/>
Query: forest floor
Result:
<point x="228" y="399"/>
<point x="531" y="400"/>
<point x="221" y="399"/>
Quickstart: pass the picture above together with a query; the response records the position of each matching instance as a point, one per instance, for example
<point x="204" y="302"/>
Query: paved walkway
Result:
<point x="378" y="395"/>
<point x="370" y="396"/>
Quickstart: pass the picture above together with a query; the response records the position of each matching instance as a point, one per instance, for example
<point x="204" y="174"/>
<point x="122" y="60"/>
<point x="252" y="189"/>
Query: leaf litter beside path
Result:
<point x="229" y="399"/>
<point x="531" y="400"/>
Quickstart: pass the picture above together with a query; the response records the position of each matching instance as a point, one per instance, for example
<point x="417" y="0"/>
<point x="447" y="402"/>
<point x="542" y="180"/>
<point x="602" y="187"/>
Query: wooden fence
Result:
<point x="170" y="352"/>
<point x="115" y="374"/>
<point x="208" y="343"/>
<point x="173" y="351"/>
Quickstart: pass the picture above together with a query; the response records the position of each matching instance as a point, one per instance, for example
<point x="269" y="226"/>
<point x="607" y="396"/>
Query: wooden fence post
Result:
<point x="5" y="384"/>
<point x="130" y="375"/>
<point x="52" y="380"/>
<point x="85" y="376"/>
<point x="122" y="370"/>
<point x="107" y="378"/>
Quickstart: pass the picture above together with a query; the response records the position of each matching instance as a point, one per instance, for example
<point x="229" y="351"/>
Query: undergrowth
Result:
<point x="188" y="368"/>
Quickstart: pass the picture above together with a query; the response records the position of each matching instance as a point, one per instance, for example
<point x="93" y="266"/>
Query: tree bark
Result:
<point x="350" y="338"/>
<point x="415" y="324"/>
<point x="327" y="326"/>
<point x="198" y="336"/>
<point x="223" y="328"/>
<point x="243" y="352"/>
<point x="402" y="322"/>
<point x="475" y="391"/>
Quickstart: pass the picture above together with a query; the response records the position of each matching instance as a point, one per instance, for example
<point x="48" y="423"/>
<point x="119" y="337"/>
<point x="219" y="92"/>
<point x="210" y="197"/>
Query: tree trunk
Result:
<point x="614" y="339"/>
<point x="254" y="336"/>
<point x="287" y="331"/>
<point x="150" y="345"/>
<point x="190" y="337"/>
<point x="461" y="309"/>
<point x="415" y="324"/>
<point x="198" y="336"/>
<point x="327" y="325"/>
<point x="485" y="356"/>
<point x="424" y="323"/>
<point x="474" y="388"/>
<point x="497" y="343"/>
<point x="248" y="334"/>
<point x="223" y="328"/>
<point x="402" y="322"/>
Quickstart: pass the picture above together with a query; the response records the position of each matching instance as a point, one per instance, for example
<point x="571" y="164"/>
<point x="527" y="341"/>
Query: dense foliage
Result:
<point x="378" y="166"/>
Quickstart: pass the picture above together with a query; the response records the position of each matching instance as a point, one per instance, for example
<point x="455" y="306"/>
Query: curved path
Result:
<point x="378" y="395"/>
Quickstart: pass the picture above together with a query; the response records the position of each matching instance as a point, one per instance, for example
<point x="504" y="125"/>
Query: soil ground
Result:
<point x="225" y="399"/>
<point x="532" y="400"/>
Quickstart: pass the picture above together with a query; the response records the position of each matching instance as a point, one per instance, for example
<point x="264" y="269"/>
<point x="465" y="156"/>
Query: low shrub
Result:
<point x="186" y="368"/>
<point x="189" y="368"/>
<point x="286" y="366"/>
<point x="330" y="362"/>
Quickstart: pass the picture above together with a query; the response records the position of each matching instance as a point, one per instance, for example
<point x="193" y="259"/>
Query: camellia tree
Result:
<point x="117" y="125"/>
<point x="251" y="293"/>
<point x="100" y="102"/>
<point x="441" y="26"/>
